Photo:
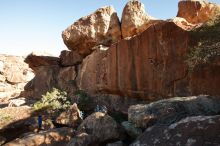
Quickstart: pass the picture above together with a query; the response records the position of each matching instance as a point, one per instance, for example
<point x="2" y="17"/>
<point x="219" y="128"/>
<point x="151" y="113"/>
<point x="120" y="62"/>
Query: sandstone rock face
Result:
<point x="14" y="74"/>
<point x="168" y="111"/>
<point x="35" y="60"/>
<point x="145" y="66"/>
<point x="197" y="11"/>
<point x="134" y="19"/>
<point x="93" y="71"/>
<point x="66" y="79"/>
<point x="53" y="137"/>
<point x="151" y="65"/>
<point x="44" y="80"/>
<point x="71" y="117"/>
<point x="101" y="27"/>
<point x="181" y="22"/>
<point x="191" y="131"/>
<point x="70" y="58"/>
<point x="50" y="77"/>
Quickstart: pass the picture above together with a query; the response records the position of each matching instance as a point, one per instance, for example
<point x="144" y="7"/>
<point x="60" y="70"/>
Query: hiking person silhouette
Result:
<point x="39" y="122"/>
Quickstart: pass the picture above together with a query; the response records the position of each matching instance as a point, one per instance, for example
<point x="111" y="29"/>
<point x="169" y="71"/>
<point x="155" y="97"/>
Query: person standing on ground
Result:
<point x="39" y="122"/>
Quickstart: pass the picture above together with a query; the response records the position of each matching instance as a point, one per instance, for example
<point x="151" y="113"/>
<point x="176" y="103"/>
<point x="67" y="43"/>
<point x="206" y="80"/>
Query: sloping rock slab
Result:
<point x="55" y="137"/>
<point x="168" y="111"/>
<point x="191" y="131"/>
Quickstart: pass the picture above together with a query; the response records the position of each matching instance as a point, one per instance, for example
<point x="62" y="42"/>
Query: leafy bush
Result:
<point x="53" y="101"/>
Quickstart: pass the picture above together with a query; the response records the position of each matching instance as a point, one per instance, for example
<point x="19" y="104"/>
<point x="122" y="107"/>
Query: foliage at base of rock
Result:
<point x="53" y="101"/>
<point x="207" y="44"/>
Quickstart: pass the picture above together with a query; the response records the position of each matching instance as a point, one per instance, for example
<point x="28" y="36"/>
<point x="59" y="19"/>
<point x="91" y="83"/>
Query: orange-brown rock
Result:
<point x="35" y="60"/>
<point x="14" y="74"/>
<point x="44" y="80"/>
<point x="151" y="65"/>
<point x="70" y="117"/>
<point x="134" y="19"/>
<point x="147" y="65"/>
<point x="101" y="27"/>
<point x="70" y="58"/>
<point x="181" y="22"/>
<point x="48" y="77"/>
<point x="197" y="11"/>
<point x="54" y="137"/>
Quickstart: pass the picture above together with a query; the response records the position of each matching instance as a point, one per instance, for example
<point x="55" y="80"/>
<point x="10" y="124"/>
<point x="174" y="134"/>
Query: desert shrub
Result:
<point x="53" y="101"/>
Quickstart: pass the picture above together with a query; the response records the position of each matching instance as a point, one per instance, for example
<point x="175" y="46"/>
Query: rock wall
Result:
<point x="150" y="63"/>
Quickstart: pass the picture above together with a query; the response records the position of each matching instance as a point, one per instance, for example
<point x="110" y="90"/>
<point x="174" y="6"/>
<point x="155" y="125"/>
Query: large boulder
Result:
<point x="100" y="126"/>
<point x="97" y="128"/>
<point x="197" y="11"/>
<point x="101" y="27"/>
<point x="54" y="137"/>
<point x="168" y="111"/>
<point x="191" y="131"/>
<point x="70" y="58"/>
<point x="71" y="117"/>
<point x="134" y="19"/>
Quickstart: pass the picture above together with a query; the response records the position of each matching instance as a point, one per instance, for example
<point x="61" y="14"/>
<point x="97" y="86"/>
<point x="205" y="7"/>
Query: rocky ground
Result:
<point x="137" y="81"/>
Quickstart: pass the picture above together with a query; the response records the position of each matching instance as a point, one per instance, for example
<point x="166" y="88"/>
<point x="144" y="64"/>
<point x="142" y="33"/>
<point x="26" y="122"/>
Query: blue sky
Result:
<point x="27" y="25"/>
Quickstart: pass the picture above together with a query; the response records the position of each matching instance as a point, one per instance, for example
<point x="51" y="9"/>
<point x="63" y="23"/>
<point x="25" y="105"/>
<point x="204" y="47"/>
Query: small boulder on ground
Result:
<point x="168" y="111"/>
<point x="191" y="131"/>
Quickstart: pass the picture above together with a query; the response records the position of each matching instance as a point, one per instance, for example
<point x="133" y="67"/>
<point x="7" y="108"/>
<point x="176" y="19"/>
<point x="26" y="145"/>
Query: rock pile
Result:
<point x="14" y="75"/>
